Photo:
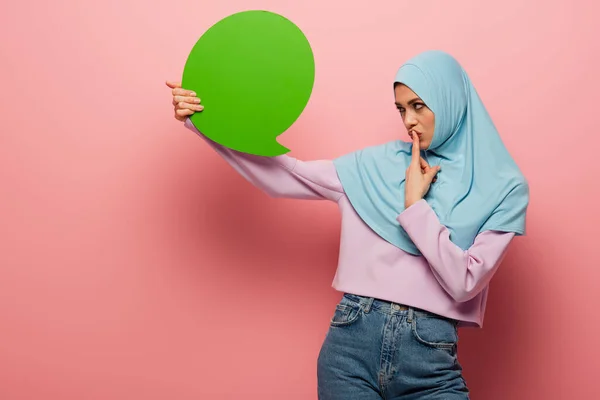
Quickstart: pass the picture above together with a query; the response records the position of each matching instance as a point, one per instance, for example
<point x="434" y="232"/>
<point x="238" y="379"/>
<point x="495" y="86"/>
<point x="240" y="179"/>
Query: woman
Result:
<point x="419" y="244"/>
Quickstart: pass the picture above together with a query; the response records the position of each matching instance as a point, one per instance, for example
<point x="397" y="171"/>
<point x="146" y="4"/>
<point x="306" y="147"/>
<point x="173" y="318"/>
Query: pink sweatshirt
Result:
<point x="445" y="280"/>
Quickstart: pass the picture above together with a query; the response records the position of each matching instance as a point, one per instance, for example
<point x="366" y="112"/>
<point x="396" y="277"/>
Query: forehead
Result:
<point x="403" y="93"/>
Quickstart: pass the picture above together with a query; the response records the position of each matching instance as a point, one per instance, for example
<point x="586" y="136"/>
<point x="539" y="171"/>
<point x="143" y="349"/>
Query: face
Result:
<point x="417" y="117"/>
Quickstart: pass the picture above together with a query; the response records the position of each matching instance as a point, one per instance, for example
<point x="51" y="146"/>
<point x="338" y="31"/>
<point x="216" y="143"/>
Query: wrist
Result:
<point x="410" y="201"/>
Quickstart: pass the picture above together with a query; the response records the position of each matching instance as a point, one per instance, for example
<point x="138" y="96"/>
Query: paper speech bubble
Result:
<point x="254" y="73"/>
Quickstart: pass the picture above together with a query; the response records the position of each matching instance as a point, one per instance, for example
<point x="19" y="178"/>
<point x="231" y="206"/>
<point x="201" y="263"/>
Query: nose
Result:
<point x="410" y="121"/>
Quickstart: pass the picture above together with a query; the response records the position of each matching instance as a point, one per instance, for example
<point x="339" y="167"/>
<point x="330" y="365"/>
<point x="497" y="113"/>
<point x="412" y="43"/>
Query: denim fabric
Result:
<point x="377" y="350"/>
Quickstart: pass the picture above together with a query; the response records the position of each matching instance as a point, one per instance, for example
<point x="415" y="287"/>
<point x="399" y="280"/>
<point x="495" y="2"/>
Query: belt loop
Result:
<point x="411" y="314"/>
<point x="368" y="304"/>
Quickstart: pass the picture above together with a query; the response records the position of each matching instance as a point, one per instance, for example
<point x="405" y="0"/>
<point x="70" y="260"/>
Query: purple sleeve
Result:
<point x="282" y="176"/>
<point x="462" y="273"/>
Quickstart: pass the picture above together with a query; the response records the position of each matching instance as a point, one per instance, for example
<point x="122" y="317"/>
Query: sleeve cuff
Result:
<point x="416" y="216"/>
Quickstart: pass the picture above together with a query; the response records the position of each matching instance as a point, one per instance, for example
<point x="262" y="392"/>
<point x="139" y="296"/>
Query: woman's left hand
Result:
<point x="419" y="176"/>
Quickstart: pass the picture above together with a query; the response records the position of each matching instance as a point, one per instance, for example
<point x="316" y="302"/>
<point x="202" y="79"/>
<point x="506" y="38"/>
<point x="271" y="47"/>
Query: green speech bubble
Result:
<point x="254" y="72"/>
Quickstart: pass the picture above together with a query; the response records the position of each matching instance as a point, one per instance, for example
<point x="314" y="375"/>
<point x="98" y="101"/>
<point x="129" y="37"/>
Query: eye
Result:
<point x="418" y="106"/>
<point x="401" y="109"/>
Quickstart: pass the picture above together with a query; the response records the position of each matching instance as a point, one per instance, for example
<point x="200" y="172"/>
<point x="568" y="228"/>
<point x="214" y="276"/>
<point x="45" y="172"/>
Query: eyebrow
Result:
<point x="411" y="102"/>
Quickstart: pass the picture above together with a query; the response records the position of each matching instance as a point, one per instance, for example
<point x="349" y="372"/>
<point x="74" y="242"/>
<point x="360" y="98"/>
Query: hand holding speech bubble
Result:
<point x="254" y="72"/>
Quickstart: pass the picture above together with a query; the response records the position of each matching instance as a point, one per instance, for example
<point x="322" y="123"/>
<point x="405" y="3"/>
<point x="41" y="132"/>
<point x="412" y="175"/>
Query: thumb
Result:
<point x="173" y="84"/>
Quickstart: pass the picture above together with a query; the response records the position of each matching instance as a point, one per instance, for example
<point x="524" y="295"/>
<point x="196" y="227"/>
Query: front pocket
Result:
<point x="345" y="314"/>
<point x="435" y="332"/>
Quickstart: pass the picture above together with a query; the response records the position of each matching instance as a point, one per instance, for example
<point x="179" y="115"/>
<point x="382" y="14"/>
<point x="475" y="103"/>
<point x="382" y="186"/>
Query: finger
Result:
<point x="184" y="112"/>
<point x="431" y="174"/>
<point x="188" y="106"/>
<point x="173" y="84"/>
<point x="183" y="92"/>
<point x="424" y="165"/>
<point x="416" y="150"/>
<point x="186" y="99"/>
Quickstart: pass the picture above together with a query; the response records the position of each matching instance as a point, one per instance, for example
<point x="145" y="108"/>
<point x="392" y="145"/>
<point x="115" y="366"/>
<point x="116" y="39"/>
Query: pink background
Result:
<point x="135" y="264"/>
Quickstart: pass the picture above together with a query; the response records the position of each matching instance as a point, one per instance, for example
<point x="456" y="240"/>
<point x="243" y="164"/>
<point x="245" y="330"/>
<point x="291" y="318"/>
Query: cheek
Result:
<point x="430" y="123"/>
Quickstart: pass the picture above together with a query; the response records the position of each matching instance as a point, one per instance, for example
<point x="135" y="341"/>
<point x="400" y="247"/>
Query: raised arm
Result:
<point x="462" y="273"/>
<point x="282" y="176"/>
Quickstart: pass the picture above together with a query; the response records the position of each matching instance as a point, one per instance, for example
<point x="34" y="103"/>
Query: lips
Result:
<point x="410" y="133"/>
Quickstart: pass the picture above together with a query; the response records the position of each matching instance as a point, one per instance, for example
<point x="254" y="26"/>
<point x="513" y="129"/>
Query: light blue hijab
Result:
<point x="479" y="187"/>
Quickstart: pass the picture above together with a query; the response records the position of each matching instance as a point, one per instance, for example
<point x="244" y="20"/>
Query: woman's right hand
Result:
<point x="185" y="101"/>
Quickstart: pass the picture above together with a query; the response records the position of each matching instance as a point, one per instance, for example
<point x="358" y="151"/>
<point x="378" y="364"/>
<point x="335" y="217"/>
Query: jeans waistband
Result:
<point x="388" y="307"/>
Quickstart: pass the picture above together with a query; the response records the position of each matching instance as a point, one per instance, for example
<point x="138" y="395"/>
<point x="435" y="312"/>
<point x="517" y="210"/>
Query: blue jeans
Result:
<point x="380" y="350"/>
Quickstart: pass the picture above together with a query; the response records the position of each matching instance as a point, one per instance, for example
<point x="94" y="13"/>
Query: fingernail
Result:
<point x="193" y="93"/>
